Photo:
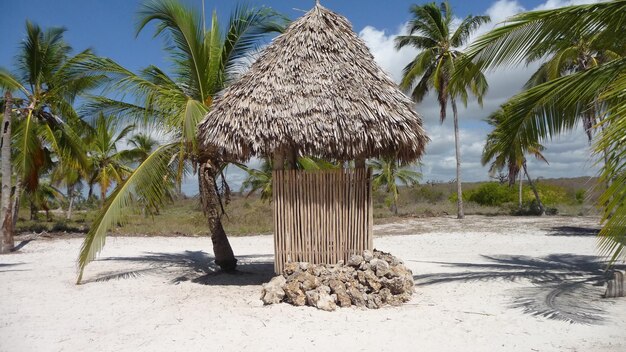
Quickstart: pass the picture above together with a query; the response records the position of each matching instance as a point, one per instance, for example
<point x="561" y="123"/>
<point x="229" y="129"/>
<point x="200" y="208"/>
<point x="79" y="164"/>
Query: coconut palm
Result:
<point x="43" y="198"/>
<point x="552" y="107"/>
<point x="510" y="154"/>
<point x="142" y="145"/>
<point x="109" y="165"/>
<point x="72" y="179"/>
<point x="387" y="173"/>
<point x="431" y="31"/>
<point x="259" y="180"/>
<point x="46" y="82"/>
<point x="204" y="61"/>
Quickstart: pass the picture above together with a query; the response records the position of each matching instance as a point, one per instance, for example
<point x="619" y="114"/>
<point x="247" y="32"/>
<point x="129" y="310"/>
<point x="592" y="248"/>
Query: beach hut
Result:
<point x="316" y="91"/>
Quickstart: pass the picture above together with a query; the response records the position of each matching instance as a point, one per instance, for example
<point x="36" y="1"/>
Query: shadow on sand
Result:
<point x="565" y="286"/>
<point x="194" y="266"/>
<point x="573" y="231"/>
<point x="10" y="266"/>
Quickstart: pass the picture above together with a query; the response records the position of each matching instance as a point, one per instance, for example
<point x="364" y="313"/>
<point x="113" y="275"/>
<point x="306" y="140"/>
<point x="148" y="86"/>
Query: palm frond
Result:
<point x="527" y="32"/>
<point x="149" y="181"/>
<point x="468" y="26"/>
<point x="181" y="25"/>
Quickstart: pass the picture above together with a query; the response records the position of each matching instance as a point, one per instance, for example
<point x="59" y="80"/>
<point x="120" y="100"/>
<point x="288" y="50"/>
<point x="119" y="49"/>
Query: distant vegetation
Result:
<point x="250" y="215"/>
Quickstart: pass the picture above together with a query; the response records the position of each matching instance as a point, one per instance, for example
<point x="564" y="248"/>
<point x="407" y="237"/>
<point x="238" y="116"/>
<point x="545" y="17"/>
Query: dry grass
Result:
<point x="252" y="216"/>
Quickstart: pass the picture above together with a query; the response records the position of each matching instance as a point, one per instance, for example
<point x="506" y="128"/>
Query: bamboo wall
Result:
<point x="321" y="216"/>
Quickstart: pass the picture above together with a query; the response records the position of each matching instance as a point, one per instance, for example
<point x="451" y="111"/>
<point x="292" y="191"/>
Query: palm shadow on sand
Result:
<point x="10" y="267"/>
<point x="573" y="231"/>
<point x="193" y="266"/>
<point x="565" y="287"/>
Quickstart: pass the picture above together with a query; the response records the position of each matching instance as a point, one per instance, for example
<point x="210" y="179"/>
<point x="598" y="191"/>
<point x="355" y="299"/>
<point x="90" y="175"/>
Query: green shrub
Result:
<point x="580" y="196"/>
<point x="488" y="194"/>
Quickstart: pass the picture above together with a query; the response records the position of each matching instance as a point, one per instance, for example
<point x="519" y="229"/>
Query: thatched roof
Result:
<point x="317" y="88"/>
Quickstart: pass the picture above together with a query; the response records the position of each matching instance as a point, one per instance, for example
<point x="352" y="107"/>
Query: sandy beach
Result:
<point x="482" y="284"/>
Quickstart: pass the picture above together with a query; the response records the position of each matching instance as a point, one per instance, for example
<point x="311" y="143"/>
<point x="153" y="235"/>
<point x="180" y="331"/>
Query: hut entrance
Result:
<point x="321" y="216"/>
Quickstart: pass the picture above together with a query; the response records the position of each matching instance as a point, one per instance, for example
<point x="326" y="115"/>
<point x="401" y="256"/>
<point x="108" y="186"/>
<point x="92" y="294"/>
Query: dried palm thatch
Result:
<point x="317" y="90"/>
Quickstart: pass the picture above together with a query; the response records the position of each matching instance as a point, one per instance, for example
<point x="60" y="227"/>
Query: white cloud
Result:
<point x="569" y="155"/>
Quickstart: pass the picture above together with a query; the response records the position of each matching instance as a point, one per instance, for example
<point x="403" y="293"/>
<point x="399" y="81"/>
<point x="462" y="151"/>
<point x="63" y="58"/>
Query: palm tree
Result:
<point x="46" y="82"/>
<point x="142" y="146"/>
<point x="42" y="197"/>
<point x="431" y="31"/>
<point x="259" y="180"/>
<point x="108" y="163"/>
<point x="72" y="179"/>
<point x="387" y="172"/>
<point x="203" y="63"/>
<point x="549" y="108"/>
<point x="510" y="154"/>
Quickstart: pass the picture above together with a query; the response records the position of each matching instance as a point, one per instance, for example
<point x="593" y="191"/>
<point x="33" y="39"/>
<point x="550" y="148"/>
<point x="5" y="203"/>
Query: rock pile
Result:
<point x="370" y="280"/>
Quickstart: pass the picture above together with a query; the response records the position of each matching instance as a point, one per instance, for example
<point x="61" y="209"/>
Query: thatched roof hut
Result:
<point x="317" y="90"/>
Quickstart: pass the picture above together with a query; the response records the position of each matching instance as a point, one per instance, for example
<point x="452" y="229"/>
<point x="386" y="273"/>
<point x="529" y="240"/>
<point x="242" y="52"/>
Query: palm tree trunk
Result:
<point x="534" y="188"/>
<point x="224" y="256"/>
<point x="457" y="147"/>
<point x="103" y="194"/>
<point x="70" y="193"/>
<point x="521" y="181"/>
<point x="17" y="192"/>
<point x="6" y="213"/>
<point x="33" y="210"/>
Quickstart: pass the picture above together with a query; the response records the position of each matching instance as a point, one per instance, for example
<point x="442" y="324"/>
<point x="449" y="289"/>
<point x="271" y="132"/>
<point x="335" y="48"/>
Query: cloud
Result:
<point x="569" y="155"/>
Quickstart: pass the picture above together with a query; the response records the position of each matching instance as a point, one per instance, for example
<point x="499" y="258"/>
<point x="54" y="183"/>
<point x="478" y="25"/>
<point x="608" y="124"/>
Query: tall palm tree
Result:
<point x="549" y="108"/>
<point x="431" y="31"/>
<point x="510" y="154"/>
<point x="387" y="173"/>
<point x="204" y="61"/>
<point x="46" y="81"/>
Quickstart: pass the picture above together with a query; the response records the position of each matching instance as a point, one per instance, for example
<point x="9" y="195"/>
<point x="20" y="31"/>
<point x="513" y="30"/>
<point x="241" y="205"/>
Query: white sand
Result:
<point x="487" y="306"/>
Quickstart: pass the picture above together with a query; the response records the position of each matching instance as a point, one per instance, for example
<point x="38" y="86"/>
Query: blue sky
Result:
<point x="109" y="28"/>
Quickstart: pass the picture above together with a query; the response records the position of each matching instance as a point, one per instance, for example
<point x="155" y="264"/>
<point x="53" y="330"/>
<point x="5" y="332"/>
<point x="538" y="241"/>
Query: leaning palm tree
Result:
<point x="204" y="63"/>
<point x="550" y="108"/>
<point x="510" y="154"/>
<point x="387" y="173"/>
<point x="46" y="82"/>
<point x="431" y="31"/>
